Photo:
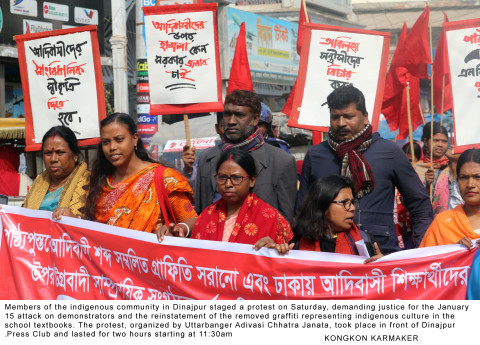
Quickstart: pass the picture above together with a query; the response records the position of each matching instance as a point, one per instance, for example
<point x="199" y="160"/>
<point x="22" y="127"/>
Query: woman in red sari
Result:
<point x="240" y="216"/>
<point x="325" y="222"/>
<point x="130" y="190"/>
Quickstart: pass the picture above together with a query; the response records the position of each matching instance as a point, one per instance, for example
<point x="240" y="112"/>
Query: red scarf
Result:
<point x="437" y="163"/>
<point x="354" y="165"/>
<point x="256" y="219"/>
<point x="342" y="246"/>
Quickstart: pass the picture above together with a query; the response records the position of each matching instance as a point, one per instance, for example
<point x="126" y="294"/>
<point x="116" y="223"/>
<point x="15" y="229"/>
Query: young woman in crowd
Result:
<point x="128" y="189"/>
<point x="461" y="224"/>
<point x="63" y="186"/>
<point x="436" y="178"/>
<point x="325" y="222"/>
<point x="240" y="216"/>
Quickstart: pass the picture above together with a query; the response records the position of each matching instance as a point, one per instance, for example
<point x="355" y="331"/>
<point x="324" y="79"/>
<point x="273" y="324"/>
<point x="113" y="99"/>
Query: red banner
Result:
<point x="44" y="259"/>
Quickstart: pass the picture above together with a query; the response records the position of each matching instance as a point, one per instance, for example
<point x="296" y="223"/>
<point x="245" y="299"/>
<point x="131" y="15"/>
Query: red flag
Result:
<point x="302" y="19"/>
<point x="240" y="77"/>
<point x="441" y="70"/>
<point x="394" y="106"/>
<point x="415" y="53"/>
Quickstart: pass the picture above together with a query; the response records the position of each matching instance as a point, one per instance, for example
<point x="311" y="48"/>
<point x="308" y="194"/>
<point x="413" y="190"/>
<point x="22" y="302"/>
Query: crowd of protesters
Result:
<point x="354" y="185"/>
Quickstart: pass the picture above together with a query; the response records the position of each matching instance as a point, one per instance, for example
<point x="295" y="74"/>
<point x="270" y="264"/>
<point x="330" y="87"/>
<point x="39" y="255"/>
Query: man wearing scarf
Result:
<point x="276" y="182"/>
<point x="375" y="165"/>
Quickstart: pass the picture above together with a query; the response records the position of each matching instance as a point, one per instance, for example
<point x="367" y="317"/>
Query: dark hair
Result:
<point x="437" y="128"/>
<point x="245" y="98"/>
<point x="67" y="135"/>
<point x="219" y="117"/>
<point x="311" y="222"/>
<point x="345" y="95"/>
<point x="416" y="148"/>
<point x="242" y="158"/>
<point x="471" y="155"/>
<point x="102" y="167"/>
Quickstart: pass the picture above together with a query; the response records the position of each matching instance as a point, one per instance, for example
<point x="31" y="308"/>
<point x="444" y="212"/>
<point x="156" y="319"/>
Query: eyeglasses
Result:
<point x="235" y="179"/>
<point x="347" y="203"/>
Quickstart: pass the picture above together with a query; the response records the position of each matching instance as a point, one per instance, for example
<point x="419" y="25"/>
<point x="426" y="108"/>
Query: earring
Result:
<point x="135" y="147"/>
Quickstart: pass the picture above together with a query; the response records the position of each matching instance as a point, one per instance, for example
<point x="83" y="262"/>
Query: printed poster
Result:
<point x="62" y="83"/>
<point x="183" y="59"/>
<point x="334" y="57"/>
<point x="463" y="42"/>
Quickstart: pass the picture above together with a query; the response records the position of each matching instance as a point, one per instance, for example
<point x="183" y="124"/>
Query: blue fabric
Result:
<point x="473" y="288"/>
<point x="391" y="169"/>
<point x="51" y="200"/>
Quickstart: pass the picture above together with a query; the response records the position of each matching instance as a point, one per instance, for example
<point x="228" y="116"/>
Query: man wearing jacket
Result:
<point x="276" y="182"/>
<point x="375" y="165"/>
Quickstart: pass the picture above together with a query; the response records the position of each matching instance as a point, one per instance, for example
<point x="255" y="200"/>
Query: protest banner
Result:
<point x="463" y="42"/>
<point x="198" y="143"/>
<point x="62" y="83"/>
<point x="183" y="59"/>
<point x="335" y="56"/>
<point x="72" y="258"/>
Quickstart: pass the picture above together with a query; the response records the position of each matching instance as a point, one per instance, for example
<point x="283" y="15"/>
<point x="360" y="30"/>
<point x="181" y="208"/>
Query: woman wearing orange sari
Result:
<point x="130" y="190"/>
<point x="461" y="224"/>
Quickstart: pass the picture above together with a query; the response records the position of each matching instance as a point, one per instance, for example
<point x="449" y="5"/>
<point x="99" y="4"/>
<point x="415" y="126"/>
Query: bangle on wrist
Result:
<point x="188" y="228"/>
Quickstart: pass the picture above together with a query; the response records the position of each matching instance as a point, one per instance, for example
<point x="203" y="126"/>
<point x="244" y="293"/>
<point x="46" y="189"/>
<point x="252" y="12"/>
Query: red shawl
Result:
<point x="255" y="220"/>
<point x="342" y="245"/>
<point x="437" y="163"/>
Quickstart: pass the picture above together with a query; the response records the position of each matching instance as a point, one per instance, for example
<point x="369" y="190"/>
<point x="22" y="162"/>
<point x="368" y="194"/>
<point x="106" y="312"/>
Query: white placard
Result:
<point x="198" y="143"/>
<point x="338" y="58"/>
<point x="181" y="58"/>
<point x="464" y="55"/>
<point x="61" y="80"/>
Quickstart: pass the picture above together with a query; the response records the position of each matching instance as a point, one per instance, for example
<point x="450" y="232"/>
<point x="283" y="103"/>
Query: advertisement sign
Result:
<point x="183" y="59"/>
<point x="55" y="11"/>
<point x="463" y="42"/>
<point x="33" y="26"/>
<point x="24" y="7"/>
<point x="271" y="47"/>
<point x="77" y="259"/>
<point x="86" y="16"/>
<point x="62" y="83"/>
<point x="333" y="57"/>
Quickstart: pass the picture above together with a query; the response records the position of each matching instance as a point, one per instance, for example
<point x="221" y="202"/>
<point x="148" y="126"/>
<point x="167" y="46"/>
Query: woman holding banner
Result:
<point x="461" y="224"/>
<point x="63" y="186"/>
<point x="240" y="216"/>
<point x="325" y="222"/>
<point x="130" y="190"/>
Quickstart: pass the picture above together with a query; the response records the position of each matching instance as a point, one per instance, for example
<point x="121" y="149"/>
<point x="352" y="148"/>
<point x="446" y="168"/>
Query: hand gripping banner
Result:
<point x="77" y="259"/>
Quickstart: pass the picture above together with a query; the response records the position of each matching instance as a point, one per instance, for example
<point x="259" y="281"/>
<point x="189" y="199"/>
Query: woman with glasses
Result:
<point x="325" y="222"/>
<point x="240" y="216"/>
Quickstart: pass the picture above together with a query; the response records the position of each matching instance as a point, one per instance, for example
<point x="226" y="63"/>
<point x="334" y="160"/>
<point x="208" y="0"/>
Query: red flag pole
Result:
<point x="187" y="128"/>
<point x="443" y="99"/>
<point x="410" y="127"/>
<point x="421" y="113"/>
<point x="431" y="104"/>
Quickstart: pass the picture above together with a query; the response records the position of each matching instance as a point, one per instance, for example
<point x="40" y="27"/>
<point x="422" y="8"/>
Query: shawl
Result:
<point x="253" y="142"/>
<point x="134" y="203"/>
<point x="74" y="194"/>
<point x="354" y="165"/>
<point x="437" y="163"/>
<point x="256" y="219"/>
<point x="9" y="176"/>
<point x="449" y="227"/>
<point x="441" y="190"/>
<point x="345" y="243"/>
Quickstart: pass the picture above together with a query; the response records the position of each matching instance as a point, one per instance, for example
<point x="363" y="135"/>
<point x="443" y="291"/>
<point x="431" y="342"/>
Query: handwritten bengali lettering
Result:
<point x="338" y="43"/>
<point x="217" y="278"/>
<point x="173" y="24"/>
<point x="288" y="285"/>
<point x="56" y="69"/>
<point x="48" y="50"/>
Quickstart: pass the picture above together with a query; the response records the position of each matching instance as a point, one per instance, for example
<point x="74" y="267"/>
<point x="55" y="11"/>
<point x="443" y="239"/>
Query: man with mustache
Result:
<point x="276" y="182"/>
<point x="375" y="165"/>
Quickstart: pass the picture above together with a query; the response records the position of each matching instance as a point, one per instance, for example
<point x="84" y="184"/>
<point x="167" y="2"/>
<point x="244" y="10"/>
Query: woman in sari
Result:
<point x="63" y="186"/>
<point x="240" y="216"/>
<point x="461" y="224"/>
<point x="130" y="190"/>
<point x="325" y="222"/>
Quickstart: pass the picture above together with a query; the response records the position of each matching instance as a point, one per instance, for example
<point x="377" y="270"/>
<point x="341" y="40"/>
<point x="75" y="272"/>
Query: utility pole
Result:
<point x="119" y="54"/>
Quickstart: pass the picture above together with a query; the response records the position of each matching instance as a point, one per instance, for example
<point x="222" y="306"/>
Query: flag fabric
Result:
<point x="240" y="76"/>
<point x="394" y="106"/>
<point x="441" y="69"/>
<point x="415" y="53"/>
<point x="302" y="19"/>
